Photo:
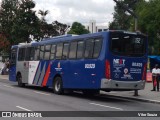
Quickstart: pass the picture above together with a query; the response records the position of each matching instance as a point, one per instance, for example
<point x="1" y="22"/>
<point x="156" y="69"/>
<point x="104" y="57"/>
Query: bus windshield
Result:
<point x="123" y="44"/>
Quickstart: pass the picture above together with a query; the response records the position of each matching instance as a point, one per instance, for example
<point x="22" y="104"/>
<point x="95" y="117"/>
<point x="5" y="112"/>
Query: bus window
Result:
<point x="41" y="52"/>
<point x="97" y="47"/>
<point x="65" y="50"/>
<point x="80" y="49"/>
<point x="29" y="54"/>
<point x="37" y="53"/>
<point x="73" y="49"/>
<point x="59" y="50"/>
<point x="89" y="48"/>
<point x="47" y="52"/>
<point x="127" y="44"/>
<point x="53" y="51"/>
<point x="21" y="54"/>
<point x="32" y="52"/>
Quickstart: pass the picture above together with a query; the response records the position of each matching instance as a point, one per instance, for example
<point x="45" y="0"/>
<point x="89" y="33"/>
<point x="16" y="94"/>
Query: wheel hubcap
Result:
<point x="57" y="86"/>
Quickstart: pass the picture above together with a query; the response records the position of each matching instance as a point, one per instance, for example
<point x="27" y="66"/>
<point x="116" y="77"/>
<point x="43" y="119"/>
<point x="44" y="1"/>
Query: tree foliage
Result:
<point x="4" y="43"/>
<point x="19" y="22"/>
<point x="148" y="14"/>
<point x="60" y="27"/>
<point x="149" y="23"/>
<point x="121" y="18"/>
<point x="78" y="28"/>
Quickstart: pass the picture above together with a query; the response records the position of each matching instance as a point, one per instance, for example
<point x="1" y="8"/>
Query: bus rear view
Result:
<point x="126" y="61"/>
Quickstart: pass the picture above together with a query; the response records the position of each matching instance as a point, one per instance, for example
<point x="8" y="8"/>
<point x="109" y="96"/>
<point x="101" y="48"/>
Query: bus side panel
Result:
<point x="87" y="73"/>
<point x="38" y="71"/>
<point x="93" y="72"/>
<point x="23" y="69"/>
<point x="57" y="68"/>
<point x="33" y="66"/>
<point x="13" y="61"/>
<point x="76" y="75"/>
<point x="65" y="71"/>
<point x="12" y="73"/>
<point x="52" y="74"/>
<point x="43" y="68"/>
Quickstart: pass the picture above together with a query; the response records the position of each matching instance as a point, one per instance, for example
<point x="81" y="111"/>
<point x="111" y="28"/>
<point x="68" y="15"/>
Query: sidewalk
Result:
<point x="4" y="77"/>
<point x="145" y="95"/>
<point x="1" y="64"/>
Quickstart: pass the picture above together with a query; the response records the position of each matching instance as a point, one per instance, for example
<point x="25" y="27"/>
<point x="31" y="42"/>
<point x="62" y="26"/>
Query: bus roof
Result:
<point x="67" y="38"/>
<point x="72" y="37"/>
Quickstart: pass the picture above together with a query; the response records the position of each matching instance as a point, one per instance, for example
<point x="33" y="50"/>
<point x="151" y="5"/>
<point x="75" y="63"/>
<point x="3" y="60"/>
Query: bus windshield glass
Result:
<point x="123" y="44"/>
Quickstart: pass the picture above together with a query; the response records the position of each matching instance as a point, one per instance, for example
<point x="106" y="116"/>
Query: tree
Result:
<point x="4" y="43"/>
<point x="148" y="13"/>
<point x="60" y="28"/>
<point x="122" y="20"/>
<point x="7" y="16"/>
<point x="18" y="20"/>
<point x="43" y="26"/>
<point x="28" y="20"/>
<point x="149" y="23"/>
<point x="50" y="30"/>
<point x="78" y="28"/>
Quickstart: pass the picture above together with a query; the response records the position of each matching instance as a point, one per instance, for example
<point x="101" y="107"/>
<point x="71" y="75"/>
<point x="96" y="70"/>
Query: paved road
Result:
<point x="14" y="98"/>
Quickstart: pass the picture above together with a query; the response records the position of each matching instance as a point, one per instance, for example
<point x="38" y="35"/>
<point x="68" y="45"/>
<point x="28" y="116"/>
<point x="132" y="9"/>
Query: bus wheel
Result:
<point x="58" y="86"/>
<point x="19" y="80"/>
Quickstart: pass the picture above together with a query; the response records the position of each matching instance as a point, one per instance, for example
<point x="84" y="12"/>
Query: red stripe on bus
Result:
<point x="46" y="75"/>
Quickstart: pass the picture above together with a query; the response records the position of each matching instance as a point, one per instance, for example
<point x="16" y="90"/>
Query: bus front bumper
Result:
<point x="122" y="85"/>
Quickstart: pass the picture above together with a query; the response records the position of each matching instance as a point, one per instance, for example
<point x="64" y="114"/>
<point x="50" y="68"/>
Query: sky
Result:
<point x="69" y="11"/>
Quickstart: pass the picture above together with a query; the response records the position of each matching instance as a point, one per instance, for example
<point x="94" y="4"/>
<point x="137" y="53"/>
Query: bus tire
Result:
<point x="58" y="86"/>
<point x="19" y="80"/>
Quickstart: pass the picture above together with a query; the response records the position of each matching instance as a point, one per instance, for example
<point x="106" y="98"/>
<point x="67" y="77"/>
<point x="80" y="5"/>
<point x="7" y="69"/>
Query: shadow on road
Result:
<point x="78" y="94"/>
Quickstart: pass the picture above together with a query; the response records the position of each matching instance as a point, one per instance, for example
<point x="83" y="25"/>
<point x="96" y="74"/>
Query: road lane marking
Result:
<point x="106" y="106"/>
<point x="42" y="93"/>
<point x="8" y="86"/>
<point x="23" y="108"/>
<point x="113" y="92"/>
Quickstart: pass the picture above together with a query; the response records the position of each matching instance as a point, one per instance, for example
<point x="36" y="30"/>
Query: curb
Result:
<point x="4" y="77"/>
<point x="136" y="99"/>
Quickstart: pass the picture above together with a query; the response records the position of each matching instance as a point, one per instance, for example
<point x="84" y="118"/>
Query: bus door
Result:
<point x="33" y="65"/>
<point x="12" y="69"/>
<point x="22" y="65"/>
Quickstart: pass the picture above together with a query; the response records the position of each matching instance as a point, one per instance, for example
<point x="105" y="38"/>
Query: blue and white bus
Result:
<point x="109" y="61"/>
